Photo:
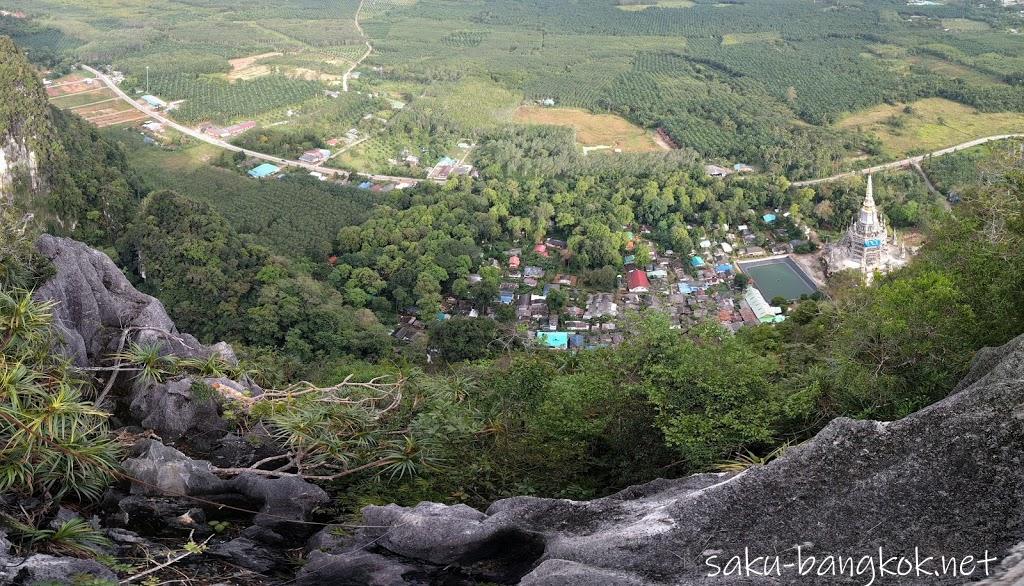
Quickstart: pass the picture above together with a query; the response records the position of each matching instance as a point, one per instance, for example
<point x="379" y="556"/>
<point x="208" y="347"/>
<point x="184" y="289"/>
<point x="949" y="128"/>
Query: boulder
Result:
<point x="284" y="502"/>
<point x="161" y="473"/>
<point x="173" y="411"/>
<point x="248" y="554"/>
<point x="48" y="569"/>
<point x="948" y="480"/>
<point x="160" y="470"/>
<point x="356" y="568"/>
<point x="330" y="539"/>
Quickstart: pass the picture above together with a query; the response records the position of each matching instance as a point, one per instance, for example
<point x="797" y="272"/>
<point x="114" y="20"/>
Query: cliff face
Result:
<point x="26" y="131"/>
<point x="947" y="480"/>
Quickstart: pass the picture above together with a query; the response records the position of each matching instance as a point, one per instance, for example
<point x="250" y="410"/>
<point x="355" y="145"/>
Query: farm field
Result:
<point x="767" y="82"/>
<point x="592" y="130"/>
<point x="78" y="93"/>
<point x="965" y="25"/>
<point x="931" y="124"/>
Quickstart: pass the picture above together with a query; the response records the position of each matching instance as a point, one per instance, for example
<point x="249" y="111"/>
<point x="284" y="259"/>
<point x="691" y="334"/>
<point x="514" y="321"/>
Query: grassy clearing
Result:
<point x="661" y="4"/>
<point x="965" y="25"/>
<point x="742" y="38"/>
<point x="933" y="123"/>
<point x="67" y="101"/>
<point x="957" y="71"/>
<point x="592" y="129"/>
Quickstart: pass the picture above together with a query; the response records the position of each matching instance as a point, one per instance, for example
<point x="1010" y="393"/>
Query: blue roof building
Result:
<point x="264" y="170"/>
<point x="768" y="218"/>
<point x="506" y="297"/>
<point x="629" y="259"/>
<point x="556" y="340"/>
<point x="154" y="101"/>
<point x="723" y="268"/>
<point x="696" y="262"/>
<point x="365" y="185"/>
<point x="685" y="288"/>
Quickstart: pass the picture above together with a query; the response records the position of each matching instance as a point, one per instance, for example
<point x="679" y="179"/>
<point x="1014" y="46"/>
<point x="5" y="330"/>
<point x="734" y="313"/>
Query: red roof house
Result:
<point x="541" y="249"/>
<point x="513" y="263"/>
<point x="636" y="282"/>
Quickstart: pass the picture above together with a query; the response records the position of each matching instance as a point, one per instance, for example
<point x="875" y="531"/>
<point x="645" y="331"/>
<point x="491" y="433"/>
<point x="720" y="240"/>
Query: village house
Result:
<point x="637" y="282"/>
<point x="315" y="156"/>
<point x="601" y="305"/>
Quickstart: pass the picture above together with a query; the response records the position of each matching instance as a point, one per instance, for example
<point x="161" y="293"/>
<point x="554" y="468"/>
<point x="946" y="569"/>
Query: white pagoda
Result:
<point x="868" y="245"/>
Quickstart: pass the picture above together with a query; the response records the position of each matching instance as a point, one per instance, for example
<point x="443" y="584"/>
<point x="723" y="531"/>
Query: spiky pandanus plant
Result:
<point x="53" y="443"/>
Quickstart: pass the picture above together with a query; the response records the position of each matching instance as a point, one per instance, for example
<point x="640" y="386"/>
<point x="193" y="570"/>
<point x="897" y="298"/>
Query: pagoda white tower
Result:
<point x="868" y="244"/>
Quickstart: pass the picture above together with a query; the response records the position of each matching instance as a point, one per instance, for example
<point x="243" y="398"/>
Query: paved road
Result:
<point x="369" y="48"/>
<point x="228" y="146"/>
<point x="908" y="161"/>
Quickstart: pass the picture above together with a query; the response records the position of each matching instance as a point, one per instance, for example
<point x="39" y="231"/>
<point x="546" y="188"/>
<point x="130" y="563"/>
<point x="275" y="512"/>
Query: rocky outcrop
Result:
<point x="947" y="480"/>
<point x="17" y="163"/>
<point x="281" y="504"/>
<point x="96" y="306"/>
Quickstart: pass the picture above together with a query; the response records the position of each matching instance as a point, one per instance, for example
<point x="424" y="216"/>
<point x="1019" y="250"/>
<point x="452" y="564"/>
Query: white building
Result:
<point x="868" y="245"/>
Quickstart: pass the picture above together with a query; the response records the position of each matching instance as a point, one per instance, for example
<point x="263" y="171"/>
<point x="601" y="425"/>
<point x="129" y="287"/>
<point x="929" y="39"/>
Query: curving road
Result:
<point x="227" y="145"/>
<point x="909" y="161"/>
<point x="369" y="48"/>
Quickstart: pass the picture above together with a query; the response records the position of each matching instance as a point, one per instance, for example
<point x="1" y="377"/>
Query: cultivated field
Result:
<point x="91" y="100"/>
<point x="592" y="130"/>
<point x="758" y="81"/>
<point x="249" y="67"/>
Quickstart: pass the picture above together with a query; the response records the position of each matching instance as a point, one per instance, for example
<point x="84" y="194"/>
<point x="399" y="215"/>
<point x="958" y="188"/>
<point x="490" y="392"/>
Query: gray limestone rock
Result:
<point x="163" y="470"/>
<point x="948" y="480"/>
<point x="174" y="412"/>
<point x="356" y="568"/>
<point x="48" y="569"/>
<point x="282" y="501"/>
<point x="248" y="554"/>
<point x="95" y="304"/>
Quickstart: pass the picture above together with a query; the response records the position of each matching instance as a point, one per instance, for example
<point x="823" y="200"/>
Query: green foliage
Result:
<point x="20" y="266"/>
<point x="54" y="442"/>
<point x="748" y="459"/>
<point x="464" y="338"/>
<point x="218" y="286"/>
<point x="715" y="393"/>
<point x="72" y="537"/>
